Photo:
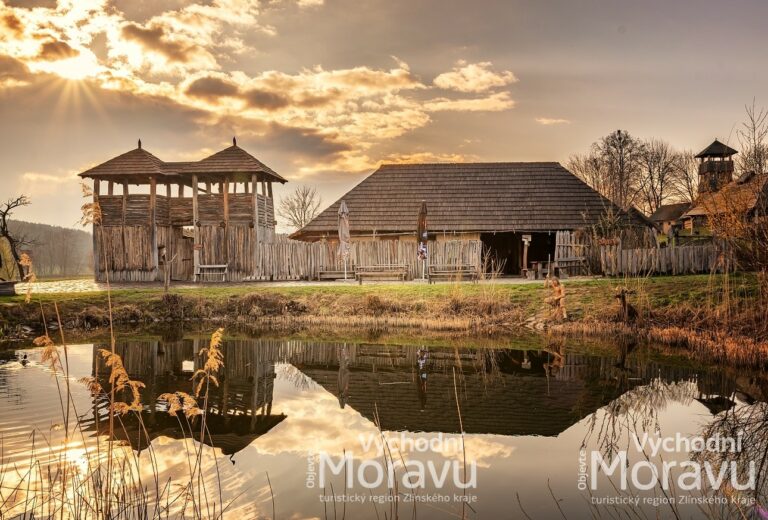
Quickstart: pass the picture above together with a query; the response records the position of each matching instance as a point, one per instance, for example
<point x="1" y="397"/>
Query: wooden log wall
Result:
<point x="706" y="258"/>
<point x="212" y="209"/>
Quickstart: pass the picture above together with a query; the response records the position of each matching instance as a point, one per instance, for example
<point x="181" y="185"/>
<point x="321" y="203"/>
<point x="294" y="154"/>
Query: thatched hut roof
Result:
<point x="468" y="197"/>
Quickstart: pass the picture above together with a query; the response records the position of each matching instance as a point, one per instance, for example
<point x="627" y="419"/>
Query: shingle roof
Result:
<point x="512" y="405"/>
<point x="485" y="197"/>
<point x="669" y="212"/>
<point x="139" y="164"/>
<point x="231" y="160"/>
<point x="716" y="149"/>
<point x="136" y="162"/>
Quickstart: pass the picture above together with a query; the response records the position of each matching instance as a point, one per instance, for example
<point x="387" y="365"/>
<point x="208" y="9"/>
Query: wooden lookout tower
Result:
<point x="715" y="166"/>
<point x="209" y="232"/>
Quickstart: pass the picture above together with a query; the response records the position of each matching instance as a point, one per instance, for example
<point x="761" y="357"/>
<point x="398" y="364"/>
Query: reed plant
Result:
<point x="72" y="474"/>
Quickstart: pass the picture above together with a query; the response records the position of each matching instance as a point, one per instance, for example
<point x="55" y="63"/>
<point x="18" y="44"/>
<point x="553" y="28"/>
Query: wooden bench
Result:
<point x="204" y="272"/>
<point x="450" y="272"/>
<point x="334" y="275"/>
<point x="381" y="272"/>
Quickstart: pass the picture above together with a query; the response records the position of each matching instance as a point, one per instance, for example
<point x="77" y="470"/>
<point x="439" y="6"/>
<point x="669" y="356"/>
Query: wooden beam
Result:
<point x="181" y="190"/>
<point x="125" y="203"/>
<point x="269" y="189"/>
<point x="255" y="224"/>
<point x="225" y="192"/>
<point x="153" y="223"/>
<point x="96" y="243"/>
<point x="168" y="190"/>
<point x="122" y="223"/>
<point x="195" y="217"/>
<point x="110" y="188"/>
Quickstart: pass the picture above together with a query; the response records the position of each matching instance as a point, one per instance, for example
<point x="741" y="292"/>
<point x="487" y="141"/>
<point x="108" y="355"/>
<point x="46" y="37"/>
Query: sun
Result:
<point x="84" y="65"/>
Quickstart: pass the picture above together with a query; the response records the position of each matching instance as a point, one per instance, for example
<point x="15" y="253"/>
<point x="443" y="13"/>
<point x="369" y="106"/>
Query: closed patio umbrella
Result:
<point x="344" y="234"/>
<point x="422" y="237"/>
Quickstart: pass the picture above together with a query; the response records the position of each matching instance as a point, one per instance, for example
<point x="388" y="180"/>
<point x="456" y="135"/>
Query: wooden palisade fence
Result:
<point x="705" y="258"/>
<point x="295" y="260"/>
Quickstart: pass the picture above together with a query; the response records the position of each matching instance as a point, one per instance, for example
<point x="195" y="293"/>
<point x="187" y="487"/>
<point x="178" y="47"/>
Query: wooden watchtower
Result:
<point x="212" y="230"/>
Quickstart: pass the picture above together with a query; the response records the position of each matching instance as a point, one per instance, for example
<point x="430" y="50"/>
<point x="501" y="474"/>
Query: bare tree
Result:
<point x="612" y="168"/>
<point x="753" y="138"/>
<point x="300" y="207"/>
<point x="659" y="164"/>
<point x="15" y="242"/>
<point x="591" y="169"/>
<point x="685" y="181"/>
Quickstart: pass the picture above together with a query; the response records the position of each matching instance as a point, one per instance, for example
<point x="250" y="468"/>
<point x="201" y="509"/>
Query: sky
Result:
<point x="323" y="91"/>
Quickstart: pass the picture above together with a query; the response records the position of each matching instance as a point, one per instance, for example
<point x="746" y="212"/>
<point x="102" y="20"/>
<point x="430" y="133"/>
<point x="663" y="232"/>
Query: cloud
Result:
<point x="46" y="178"/>
<point x="474" y="77"/>
<point x="211" y="88"/>
<point x="493" y="103"/>
<point x="547" y="121"/>
<point x="265" y="99"/>
<point x="155" y="39"/>
<point x="428" y="157"/>
<point x="13" y="23"/>
<point x="191" y="56"/>
<point x="54" y="50"/>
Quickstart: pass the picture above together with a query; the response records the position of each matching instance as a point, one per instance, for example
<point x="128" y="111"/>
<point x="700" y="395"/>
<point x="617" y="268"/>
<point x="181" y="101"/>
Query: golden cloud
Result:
<point x="179" y="56"/>
<point x="474" y="77"/>
<point x="54" y="50"/>
<point x="492" y="103"/>
<point x="547" y="121"/>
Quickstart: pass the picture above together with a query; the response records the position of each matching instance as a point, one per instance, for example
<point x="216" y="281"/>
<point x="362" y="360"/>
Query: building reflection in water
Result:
<point x="504" y="392"/>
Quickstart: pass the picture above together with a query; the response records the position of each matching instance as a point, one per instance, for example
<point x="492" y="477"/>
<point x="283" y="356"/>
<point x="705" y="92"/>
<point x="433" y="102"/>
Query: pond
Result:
<point x="298" y="428"/>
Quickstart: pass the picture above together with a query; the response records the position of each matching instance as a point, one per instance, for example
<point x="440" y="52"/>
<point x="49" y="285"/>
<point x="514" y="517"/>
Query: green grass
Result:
<point x="503" y="302"/>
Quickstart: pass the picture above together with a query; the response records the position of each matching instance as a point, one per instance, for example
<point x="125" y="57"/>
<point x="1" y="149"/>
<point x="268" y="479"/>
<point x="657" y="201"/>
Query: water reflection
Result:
<point x="525" y="413"/>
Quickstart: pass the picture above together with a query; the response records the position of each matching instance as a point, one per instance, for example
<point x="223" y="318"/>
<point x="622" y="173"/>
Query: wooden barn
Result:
<point x="188" y="220"/>
<point x="517" y="209"/>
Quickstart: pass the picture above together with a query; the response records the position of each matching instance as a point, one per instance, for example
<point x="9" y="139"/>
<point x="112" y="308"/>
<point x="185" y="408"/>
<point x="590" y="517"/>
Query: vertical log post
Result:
<point x="122" y="223"/>
<point x="224" y="187"/>
<point x="195" y="217"/>
<point x="110" y="188"/>
<point x="96" y="232"/>
<point x="153" y="224"/>
<point x="255" y="224"/>
<point x="266" y="213"/>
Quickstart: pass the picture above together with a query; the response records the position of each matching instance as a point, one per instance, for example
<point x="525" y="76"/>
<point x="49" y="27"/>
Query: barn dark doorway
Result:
<point x="504" y="251"/>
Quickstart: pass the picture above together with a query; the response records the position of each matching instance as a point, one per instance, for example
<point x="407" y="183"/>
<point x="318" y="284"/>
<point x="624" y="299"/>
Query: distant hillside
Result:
<point x="56" y="251"/>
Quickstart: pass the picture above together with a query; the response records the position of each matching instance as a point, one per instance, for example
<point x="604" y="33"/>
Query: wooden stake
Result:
<point x="153" y="223"/>
<point x="195" y="217"/>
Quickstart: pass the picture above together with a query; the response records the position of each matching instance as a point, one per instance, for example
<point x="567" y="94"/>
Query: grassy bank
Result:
<point x="714" y="306"/>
